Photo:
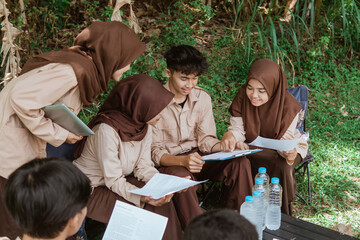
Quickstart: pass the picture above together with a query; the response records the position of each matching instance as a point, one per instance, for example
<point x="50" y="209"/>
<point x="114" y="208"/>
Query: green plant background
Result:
<point x="319" y="49"/>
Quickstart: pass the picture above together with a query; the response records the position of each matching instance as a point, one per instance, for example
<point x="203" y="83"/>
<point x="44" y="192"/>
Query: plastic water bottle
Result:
<point x="273" y="215"/>
<point x="259" y="186"/>
<point x="260" y="212"/>
<point x="247" y="210"/>
<point x="262" y="174"/>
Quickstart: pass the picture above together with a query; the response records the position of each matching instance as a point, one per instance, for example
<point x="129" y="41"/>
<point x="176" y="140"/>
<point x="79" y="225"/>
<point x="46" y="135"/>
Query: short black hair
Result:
<point x="186" y="59"/>
<point x="222" y="224"/>
<point x="43" y="194"/>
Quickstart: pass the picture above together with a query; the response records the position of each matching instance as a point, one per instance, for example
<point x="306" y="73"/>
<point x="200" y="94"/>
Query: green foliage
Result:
<point x="344" y="22"/>
<point x="322" y="49"/>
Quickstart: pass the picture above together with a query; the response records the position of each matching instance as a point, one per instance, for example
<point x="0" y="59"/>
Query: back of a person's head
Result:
<point x="223" y="224"/>
<point x="42" y="195"/>
<point x="186" y="59"/>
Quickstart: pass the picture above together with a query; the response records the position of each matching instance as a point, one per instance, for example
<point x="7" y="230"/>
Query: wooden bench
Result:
<point x="296" y="229"/>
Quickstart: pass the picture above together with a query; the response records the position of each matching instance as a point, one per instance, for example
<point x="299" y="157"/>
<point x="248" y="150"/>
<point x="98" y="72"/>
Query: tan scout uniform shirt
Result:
<point x="237" y="128"/>
<point x="107" y="160"/>
<point x="181" y="129"/>
<point x="24" y="130"/>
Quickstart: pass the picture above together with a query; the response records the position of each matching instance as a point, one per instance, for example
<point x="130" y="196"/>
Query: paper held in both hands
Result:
<point x="163" y="184"/>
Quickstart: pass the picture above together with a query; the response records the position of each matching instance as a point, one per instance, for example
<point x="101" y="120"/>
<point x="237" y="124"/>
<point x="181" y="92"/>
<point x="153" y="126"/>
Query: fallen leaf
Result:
<point x="152" y="33"/>
<point x="327" y="94"/>
<point x="346" y="229"/>
<point x="339" y="123"/>
<point x="343" y="112"/>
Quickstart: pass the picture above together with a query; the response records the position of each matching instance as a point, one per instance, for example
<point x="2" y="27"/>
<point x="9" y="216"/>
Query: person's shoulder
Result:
<point x="104" y="128"/>
<point x="201" y="93"/>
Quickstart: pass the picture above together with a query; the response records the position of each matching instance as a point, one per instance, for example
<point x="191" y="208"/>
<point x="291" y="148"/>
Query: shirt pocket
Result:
<point x="167" y="130"/>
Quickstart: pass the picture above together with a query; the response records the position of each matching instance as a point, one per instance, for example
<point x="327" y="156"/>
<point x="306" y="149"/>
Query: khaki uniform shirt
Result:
<point x="107" y="160"/>
<point x="24" y="130"/>
<point x="181" y="129"/>
<point x="237" y="128"/>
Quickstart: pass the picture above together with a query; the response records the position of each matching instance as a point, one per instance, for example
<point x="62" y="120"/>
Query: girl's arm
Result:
<point x="106" y="145"/>
<point x="45" y="87"/>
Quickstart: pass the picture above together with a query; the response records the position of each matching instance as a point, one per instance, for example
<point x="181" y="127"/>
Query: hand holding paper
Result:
<point x="163" y="184"/>
<point x="156" y="202"/>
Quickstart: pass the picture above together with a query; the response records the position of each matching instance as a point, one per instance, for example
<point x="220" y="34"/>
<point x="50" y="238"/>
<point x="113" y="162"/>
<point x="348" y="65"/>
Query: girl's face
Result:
<point x="155" y="119"/>
<point x="118" y="73"/>
<point x="256" y="93"/>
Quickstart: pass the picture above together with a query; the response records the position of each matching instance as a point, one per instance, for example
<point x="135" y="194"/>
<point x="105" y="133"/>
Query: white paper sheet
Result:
<point x="228" y="155"/>
<point x="281" y="145"/>
<point x="164" y="184"/>
<point x="128" y="222"/>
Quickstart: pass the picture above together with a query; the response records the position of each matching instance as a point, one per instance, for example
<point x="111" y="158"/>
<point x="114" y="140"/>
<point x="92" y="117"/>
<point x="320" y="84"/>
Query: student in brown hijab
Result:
<point x="264" y="107"/>
<point x="73" y="76"/>
<point x="118" y="157"/>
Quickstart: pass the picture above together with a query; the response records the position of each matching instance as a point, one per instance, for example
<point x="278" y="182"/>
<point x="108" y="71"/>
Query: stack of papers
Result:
<point x="163" y="184"/>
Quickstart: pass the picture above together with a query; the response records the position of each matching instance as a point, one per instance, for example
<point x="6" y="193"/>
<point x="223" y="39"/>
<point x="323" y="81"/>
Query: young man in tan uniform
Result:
<point x="187" y="130"/>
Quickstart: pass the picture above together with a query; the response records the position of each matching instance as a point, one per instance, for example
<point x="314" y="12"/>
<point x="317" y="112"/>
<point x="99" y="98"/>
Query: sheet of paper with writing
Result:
<point x="219" y="156"/>
<point x="280" y="145"/>
<point x="163" y="184"/>
<point x="128" y="222"/>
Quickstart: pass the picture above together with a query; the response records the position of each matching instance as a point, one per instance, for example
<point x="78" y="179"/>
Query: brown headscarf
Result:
<point x="272" y="119"/>
<point x="132" y="102"/>
<point x="98" y="51"/>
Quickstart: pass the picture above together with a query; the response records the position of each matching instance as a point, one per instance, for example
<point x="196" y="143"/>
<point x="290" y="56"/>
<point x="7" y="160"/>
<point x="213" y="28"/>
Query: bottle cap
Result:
<point x="256" y="193"/>
<point x="259" y="181"/>
<point x="274" y="180"/>
<point x="262" y="170"/>
<point x="249" y="199"/>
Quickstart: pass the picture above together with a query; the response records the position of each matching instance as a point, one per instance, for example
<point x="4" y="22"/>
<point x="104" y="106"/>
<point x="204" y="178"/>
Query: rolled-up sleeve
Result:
<point x="46" y="87"/>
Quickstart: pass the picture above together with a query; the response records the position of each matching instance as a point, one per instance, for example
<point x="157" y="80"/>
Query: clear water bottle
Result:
<point x="247" y="210"/>
<point x="260" y="213"/>
<point x="262" y="174"/>
<point x="259" y="186"/>
<point x="273" y="215"/>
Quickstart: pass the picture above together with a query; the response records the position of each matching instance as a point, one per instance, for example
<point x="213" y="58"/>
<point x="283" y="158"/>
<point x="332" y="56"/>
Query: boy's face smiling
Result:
<point x="181" y="84"/>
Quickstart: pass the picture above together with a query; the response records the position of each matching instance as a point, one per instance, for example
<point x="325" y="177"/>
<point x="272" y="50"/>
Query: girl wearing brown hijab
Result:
<point x="73" y="76"/>
<point x="118" y="157"/>
<point x="264" y="107"/>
